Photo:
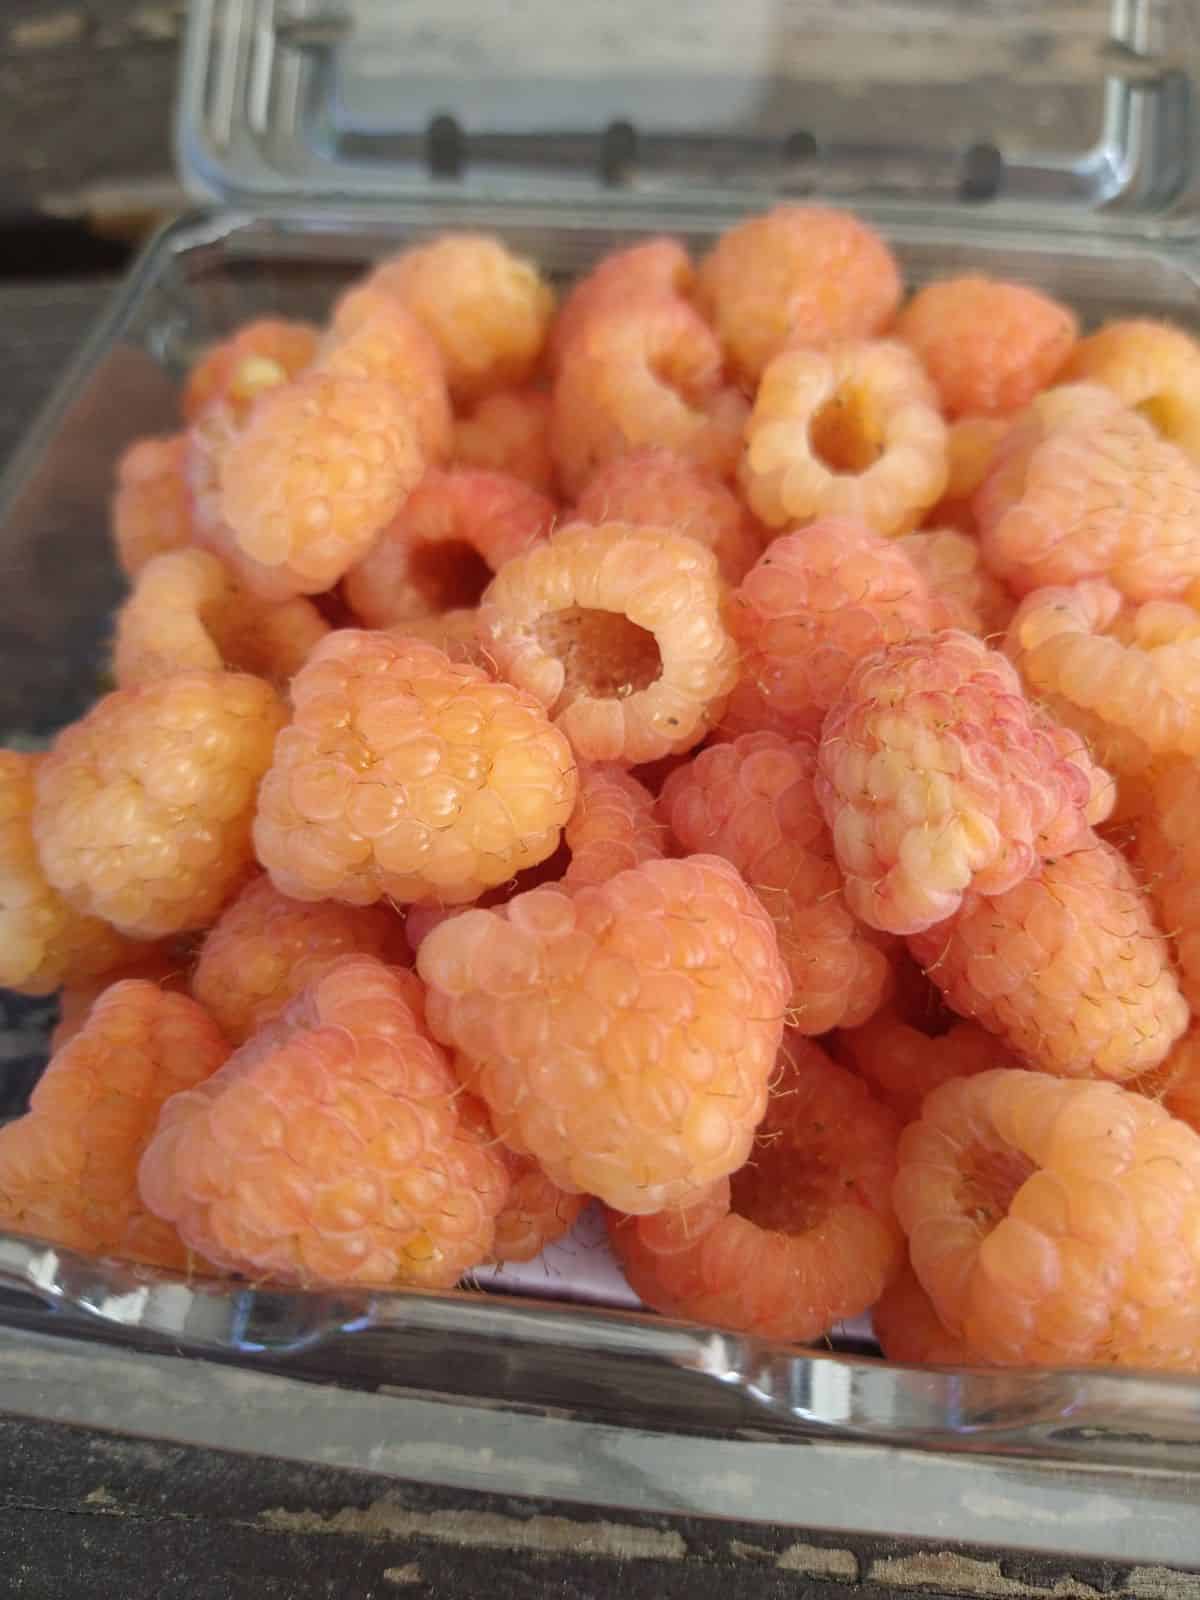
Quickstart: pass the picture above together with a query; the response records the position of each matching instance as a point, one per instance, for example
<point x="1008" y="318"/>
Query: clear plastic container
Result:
<point x="331" y="139"/>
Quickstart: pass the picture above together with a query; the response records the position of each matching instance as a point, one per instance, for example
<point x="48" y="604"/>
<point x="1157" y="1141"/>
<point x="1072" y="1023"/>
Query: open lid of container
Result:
<point x="1083" y="111"/>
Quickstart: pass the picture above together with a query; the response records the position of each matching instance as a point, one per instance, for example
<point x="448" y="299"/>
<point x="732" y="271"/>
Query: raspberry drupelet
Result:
<point x="455" y="530"/>
<point x="753" y="802"/>
<point x="658" y="269"/>
<point x="989" y="346"/>
<point x="910" y="1330"/>
<point x="902" y="1063"/>
<point x="618" y="631"/>
<point x="1168" y="853"/>
<point x="814" y="604"/>
<point x="372" y="336"/>
<point x="265" y="948"/>
<point x="152" y="509"/>
<point x="936" y="775"/>
<point x="330" y="1150"/>
<point x="800" y="275"/>
<point x="144" y="807"/>
<point x="186" y="613"/>
<point x="613" y="826"/>
<point x="1127" y="679"/>
<point x="259" y="356"/>
<point x="1053" y="1223"/>
<point x="657" y="488"/>
<point x="803" y="1236"/>
<point x="1151" y="367"/>
<point x="68" y="1168"/>
<point x="44" y="941"/>
<point x="320" y="468"/>
<point x="853" y="431"/>
<point x="508" y="431"/>
<point x="487" y="310"/>
<point x="624" y="1033"/>
<point x="648" y="376"/>
<point x="1067" y="967"/>
<point x="963" y="593"/>
<point x="1082" y="487"/>
<point x="407" y="776"/>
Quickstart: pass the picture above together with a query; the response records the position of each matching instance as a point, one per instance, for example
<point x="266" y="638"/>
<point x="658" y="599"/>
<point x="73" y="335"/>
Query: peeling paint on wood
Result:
<point x="387" y="1519"/>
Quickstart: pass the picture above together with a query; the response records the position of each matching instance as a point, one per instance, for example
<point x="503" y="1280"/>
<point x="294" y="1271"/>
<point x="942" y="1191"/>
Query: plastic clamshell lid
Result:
<point x="1080" y="109"/>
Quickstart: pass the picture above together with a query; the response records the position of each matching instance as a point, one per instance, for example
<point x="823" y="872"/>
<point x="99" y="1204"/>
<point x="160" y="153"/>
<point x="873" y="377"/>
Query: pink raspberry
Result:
<point x="753" y="802"/>
<point x="646" y="376"/>
<point x="853" y="431"/>
<point x="1084" y="488"/>
<point x="258" y="356"/>
<point x="144" y="807"/>
<point x="800" y="275"/>
<point x="1152" y="368"/>
<point x="186" y="614"/>
<point x="1051" y="1223"/>
<point x="902" y="1063"/>
<point x="1180" y="1093"/>
<point x="488" y="311"/>
<point x="152" y="504"/>
<point x="815" y="603"/>
<point x="508" y="431"/>
<point x="403" y="775"/>
<point x="1168" y="852"/>
<point x="989" y="346"/>
<point x="619" y="632"/>
<point x="623" y="1033"/>
<point x="316" y="474"/>
<point x="1127" y="681"/>
<point x="910" y="1330"/>
<point x="330" y="1149"/>
<point x="656" y="488"/>
<point x="936" y="776"/>
<point x="265" y="948"/>
<point x="658" y="269"/>
<point x="455" y="530"/>
<point x="44" y="941"/>
<point x="612" y="828"/>
<point x="1067" y="968"/>
<point x="372" y="336"/>
<point x="963" y="593"/>
<point x="68" y="1168"/>
<point x="803" y="1236"/>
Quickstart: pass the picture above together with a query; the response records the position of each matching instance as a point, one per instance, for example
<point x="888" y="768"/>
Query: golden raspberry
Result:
<point x="407" y="776"/>
<point x="488" y="311"/>
<point x="44" y="942"/>
<point x="800" y="275"/>
<point x="186" y="613"/>
<point x="144" y="808"/>
<point x="618" y="632"/>
<point x="853" y="431"/>
<point x="68" y="1168"/>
